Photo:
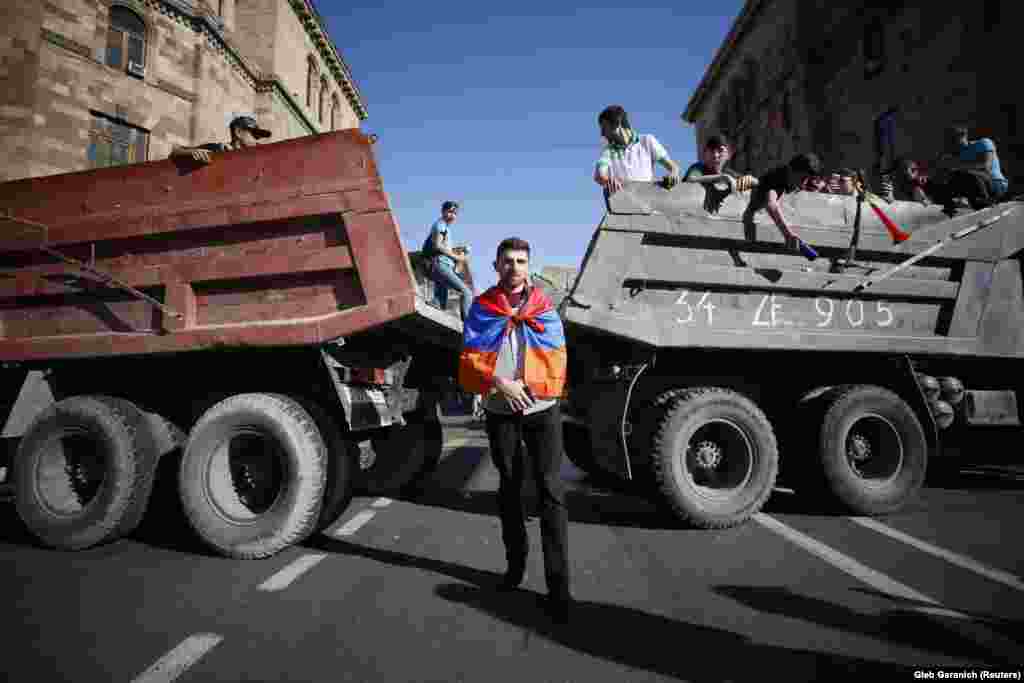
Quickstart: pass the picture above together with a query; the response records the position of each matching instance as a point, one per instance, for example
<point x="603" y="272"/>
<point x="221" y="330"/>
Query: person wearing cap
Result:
<point x="244" y="133"/>
<point x="628" y="155"/>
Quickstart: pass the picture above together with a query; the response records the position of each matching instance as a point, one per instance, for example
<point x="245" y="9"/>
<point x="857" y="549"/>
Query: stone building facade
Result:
<point x="102" y="82"/>
<point x="862" y="83"/>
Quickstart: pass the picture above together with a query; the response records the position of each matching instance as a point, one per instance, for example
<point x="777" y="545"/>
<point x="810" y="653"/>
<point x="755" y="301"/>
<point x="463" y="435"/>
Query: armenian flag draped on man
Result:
<point x="490" y="319"/>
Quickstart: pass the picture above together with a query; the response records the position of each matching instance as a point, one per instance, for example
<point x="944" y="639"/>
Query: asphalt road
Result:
<point x="393" y="592"/>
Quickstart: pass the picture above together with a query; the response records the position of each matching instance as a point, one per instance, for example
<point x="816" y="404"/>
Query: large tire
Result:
<point x="872" y="449"/>
<point x="714" y="457"/>
<point x="83" y="469"/>
<point x="397" y="459"/>
<point x="252" y="476"/>
<point x="342" y="464"/>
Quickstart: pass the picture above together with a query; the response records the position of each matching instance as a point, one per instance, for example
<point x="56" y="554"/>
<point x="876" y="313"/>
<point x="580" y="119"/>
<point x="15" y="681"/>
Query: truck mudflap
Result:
<point x="371" y="397"/>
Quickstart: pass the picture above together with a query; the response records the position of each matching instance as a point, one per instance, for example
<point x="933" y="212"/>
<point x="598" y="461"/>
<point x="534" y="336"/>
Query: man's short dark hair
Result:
<point x="615" y="115"/>
<point x="846" y="172"/>
<point x="806" y="163"/>
<point x="512" y="244"/>
<point x="717" y="140"/>
<point x="449" y="205"/>
<point x="957" y="131"/>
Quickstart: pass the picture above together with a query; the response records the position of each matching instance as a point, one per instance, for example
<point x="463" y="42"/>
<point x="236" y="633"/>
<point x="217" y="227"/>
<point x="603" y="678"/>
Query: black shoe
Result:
<point x="559" y="610"/>
<point x="511" y="580"/>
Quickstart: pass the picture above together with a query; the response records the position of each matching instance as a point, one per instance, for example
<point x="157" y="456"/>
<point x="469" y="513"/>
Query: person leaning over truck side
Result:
<point x="628" y="155"/>
<point x="514" y="353"/>
<point x="443" y="258"/>
<point x="244" y="133"/>
<point x="714" y="160"/>
<point x="770" y="189"/>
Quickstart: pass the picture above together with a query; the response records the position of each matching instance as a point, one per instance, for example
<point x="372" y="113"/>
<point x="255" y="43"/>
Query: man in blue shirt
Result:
<point x="969" y="169"/>
<point x="444" y="257"/>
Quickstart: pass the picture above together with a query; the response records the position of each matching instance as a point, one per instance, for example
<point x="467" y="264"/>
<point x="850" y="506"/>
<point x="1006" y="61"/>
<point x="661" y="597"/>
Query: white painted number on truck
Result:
<point x="690" y="312"/>
<point x="776" y="310"/>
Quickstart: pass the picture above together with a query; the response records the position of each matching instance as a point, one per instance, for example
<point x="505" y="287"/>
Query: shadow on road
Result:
<point x="661" y="645"/>
<point x="624" y="635"/>
<point x="917" y="630"/>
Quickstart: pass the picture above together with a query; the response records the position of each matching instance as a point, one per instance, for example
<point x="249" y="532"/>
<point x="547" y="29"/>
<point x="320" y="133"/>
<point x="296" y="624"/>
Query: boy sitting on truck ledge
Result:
<point x="244" y="133"/>
<point x="443" y="259"/>
<point x="714" y="160"/>
<point x="770" y="188"/>
<point x="628" y="155"/>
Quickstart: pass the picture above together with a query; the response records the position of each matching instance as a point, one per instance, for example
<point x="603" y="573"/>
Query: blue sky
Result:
<point x="495" y="105"/>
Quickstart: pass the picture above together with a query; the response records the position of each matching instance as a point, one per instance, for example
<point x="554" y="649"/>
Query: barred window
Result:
<point x="113" y="142"/>
<point x="126" y="40"/>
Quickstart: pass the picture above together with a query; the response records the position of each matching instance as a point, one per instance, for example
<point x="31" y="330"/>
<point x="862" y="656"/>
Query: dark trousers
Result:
<point x="542" y="434"/>
<point x="974" y="186"/>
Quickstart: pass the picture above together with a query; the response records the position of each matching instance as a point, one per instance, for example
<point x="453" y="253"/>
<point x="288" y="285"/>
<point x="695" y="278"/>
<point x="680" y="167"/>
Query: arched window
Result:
<point x="335" y="111"/>
<point x="126" y="41"/>
<point x="323" y="97"/>
<point x="311" y="79"/>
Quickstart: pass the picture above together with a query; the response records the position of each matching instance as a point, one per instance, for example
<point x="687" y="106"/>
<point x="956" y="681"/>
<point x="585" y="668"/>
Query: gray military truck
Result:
<point x="706" y="359"/>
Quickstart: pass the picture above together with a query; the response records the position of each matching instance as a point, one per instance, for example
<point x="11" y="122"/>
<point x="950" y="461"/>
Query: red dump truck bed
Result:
<point x="285" y="244"/>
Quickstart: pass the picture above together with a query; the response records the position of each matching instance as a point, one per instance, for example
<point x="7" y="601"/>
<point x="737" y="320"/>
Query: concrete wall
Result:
<point x="940" y="67"/>
<point x="52" y="62"/>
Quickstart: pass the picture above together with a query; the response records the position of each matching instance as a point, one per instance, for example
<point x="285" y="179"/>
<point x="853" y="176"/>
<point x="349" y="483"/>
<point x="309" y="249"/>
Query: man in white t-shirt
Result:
<point x="629" y="155"/>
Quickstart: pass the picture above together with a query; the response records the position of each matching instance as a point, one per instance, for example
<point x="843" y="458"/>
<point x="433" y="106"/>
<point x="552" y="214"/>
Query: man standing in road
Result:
<point x="245" y="132"/>
<point x="628" y="155"/>
<point x="513" y="352"/>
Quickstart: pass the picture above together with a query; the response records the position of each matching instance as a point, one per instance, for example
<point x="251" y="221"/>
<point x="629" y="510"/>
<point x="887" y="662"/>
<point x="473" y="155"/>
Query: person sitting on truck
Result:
<point x="909" y="179"/>
<point x="442" y="259"/>
<point x="514" y="353"/>
<point x="770" y="189"/>
<point x="714" y="160"/>
<point x="244" y="133"/>
<point x="628" y="155"/>
<point x="968" y="169"/>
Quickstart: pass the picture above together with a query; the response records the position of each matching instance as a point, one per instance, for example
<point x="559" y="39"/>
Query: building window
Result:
<point x="335" y="112"/>
<point x="113" y="142"/>
<point x="322" y="105"/>
<point x="311" y="80"/>
<point x="126" y="41"/>
<point x="874" y="48"/>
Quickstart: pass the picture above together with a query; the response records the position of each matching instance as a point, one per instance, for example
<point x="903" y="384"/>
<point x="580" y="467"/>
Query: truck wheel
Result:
<point x="398" y="458"/>
<point x="872" y="448"/>
<point x="342" y="464"/>
<point x="156" y="437"/>
<point x="83" y="467"/>
<point x="252" y="476"/>
<point x="714" y="457"/>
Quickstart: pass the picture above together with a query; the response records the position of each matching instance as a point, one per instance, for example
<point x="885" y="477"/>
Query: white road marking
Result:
<point x="873" y="578"/>
<point x="178" y="660"/>
<point x="382" y="502"/>
<point x="286" y="576"/>
<point x="352" y="525"/>
<point x="975" y="628"/>
<point x="452" y="444"/>
<point x="1003" y="577"/>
